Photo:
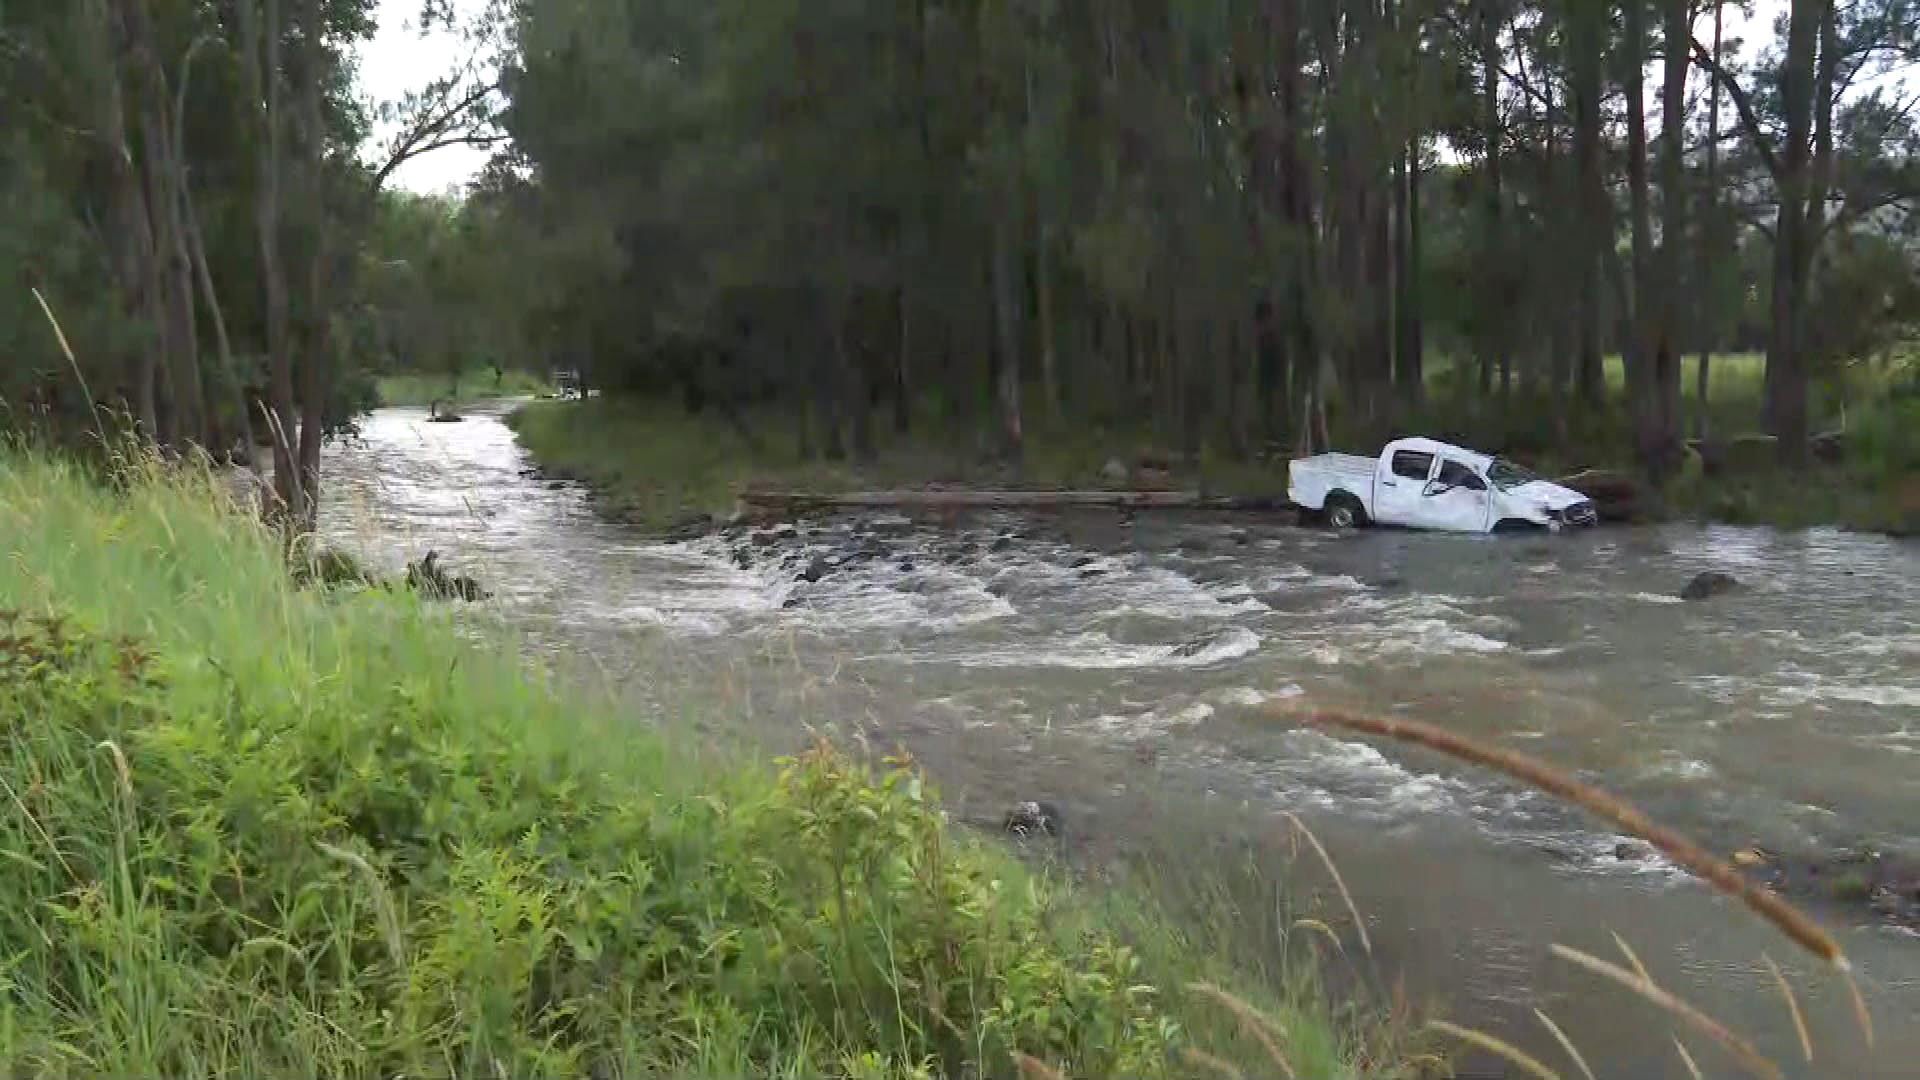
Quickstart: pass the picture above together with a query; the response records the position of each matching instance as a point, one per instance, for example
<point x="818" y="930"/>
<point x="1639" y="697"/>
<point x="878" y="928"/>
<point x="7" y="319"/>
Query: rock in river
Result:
<point x="816" y="570"/>
<point x="1709" y="585"/>
<point x="427" y="578"/>
<point x="1033" y="818"/>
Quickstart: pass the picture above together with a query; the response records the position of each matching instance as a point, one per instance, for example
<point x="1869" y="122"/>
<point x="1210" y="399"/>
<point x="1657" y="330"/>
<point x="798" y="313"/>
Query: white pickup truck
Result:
<point x="1426" y="484"/>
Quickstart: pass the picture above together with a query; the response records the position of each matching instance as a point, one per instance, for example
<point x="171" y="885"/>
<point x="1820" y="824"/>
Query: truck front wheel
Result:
<point x="1344" y="511"/>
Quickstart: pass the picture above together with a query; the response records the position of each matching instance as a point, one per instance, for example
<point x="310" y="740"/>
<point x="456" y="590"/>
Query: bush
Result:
<point x="391" y="891"/>
<point x="266" y="831"/>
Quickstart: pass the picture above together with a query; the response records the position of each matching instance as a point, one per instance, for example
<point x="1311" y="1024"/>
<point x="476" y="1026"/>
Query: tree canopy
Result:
<point x="1234" y="222"/>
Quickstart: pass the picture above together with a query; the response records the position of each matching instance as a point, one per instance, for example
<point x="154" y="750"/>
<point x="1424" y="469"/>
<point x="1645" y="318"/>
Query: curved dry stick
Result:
<point x="1791" y="921"/>
<point x="1250" y="1021"/>
<point x="1793" y="1007"/>
<point x="1687" y="1059"/>
<point x="1359" y="923"/>
<point x="1742" y="1050"/>
<point x="1493" y="1045"/>
<point x="1203" y="1060"/>
<point x="1566" y="1044"/>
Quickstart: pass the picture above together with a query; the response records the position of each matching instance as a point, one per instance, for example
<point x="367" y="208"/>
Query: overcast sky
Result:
<point x="399" y="59"/>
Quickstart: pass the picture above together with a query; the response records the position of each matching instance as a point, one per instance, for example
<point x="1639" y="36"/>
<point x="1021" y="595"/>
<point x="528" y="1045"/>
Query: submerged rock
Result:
<point x="1708" y="585"/>
<point x="1033" y="818"/>
<point x="1887" y="886"/>
<point x="817" y="569"/>
<point x="692" y="526"/>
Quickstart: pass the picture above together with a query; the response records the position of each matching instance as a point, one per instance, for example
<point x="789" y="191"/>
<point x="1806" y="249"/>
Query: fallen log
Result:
<point x="946" y="499"/>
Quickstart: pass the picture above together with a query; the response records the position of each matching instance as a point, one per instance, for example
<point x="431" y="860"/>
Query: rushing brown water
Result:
<point x="1116" y="668"/>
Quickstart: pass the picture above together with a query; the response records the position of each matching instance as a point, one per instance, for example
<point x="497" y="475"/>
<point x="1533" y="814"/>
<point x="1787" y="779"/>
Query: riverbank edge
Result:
<point x="659" y="469"/>
<point x="449" y="852"/>
<point x="481" y="384"/>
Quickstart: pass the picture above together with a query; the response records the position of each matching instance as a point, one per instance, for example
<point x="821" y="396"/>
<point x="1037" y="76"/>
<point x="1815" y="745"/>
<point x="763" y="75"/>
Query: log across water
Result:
<point x="942" y="499"/>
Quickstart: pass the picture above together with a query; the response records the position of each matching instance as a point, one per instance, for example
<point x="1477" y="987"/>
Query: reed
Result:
<point x="1789" y="920"/>
<point x="1251" y="1022"/>
<point x="1579" y="1060"/>
<point x="1693" y="1068"/>
<point x="1793" y="1007"/>
<point x="1333" y="871"/>
<point x="1496" y="1045"/>
<point x="1742" y="1050"/>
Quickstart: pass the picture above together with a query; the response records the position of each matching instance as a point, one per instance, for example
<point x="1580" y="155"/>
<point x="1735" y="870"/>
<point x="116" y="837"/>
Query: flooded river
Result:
<point x="1117" y="669"/>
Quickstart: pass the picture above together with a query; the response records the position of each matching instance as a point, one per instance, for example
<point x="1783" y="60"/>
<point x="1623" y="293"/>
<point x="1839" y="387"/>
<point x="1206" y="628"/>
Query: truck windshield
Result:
<point x="1506" y="475"/>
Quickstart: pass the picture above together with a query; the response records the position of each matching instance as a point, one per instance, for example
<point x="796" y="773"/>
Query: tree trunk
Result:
<point x="1407" y="367"/>
<point x="902" y="388"/>
<point x="1786" y="376"/>
<point x="260" y="32"/>
<point x="1498" y="344"/>
<point x="1043" y="290"/>
<point x="1660" y="444"/>
<point x="1708" y="236"/>
<point x="223" y="345"/>
<point x="1585" y="37"/>
<point x="1642" y="403"/>
<point x="1006" y="323"/>
<point x="162" y="168"/>
<point x="317" y="340"/>
<point x="1410" y="353"/>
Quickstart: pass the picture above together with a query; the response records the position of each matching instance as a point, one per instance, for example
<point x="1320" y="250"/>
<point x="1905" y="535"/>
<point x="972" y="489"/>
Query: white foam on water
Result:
<point x="1094" y="651"/>
<point x="1680" y="768"/>
<point x="1435" y="637"/>
<point x="1886" y="697"/>
<point x="1655" y="598"/>
<point x="1246" y="697"/>
<point x="689" y="623"/>
<point x="1137" y="726"/>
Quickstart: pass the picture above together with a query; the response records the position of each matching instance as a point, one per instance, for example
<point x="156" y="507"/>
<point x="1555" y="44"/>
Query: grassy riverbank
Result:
<point x="654" y="463"/>
<point x="264" y="831"/>
<point x="469" y="384"/>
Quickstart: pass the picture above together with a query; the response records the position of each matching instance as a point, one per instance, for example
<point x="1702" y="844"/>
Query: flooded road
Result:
<point x="1117" y="667"/>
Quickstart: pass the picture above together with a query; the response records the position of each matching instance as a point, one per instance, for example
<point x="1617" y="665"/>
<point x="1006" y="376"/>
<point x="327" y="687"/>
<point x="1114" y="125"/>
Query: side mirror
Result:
<point x="1438" y="487"/>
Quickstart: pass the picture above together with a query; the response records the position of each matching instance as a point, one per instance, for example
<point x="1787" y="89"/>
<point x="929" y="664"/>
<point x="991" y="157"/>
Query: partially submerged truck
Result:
<point x="1428" y="484"/>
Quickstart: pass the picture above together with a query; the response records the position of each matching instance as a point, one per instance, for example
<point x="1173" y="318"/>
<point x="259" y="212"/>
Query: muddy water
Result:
<point x="1116" y="668"/>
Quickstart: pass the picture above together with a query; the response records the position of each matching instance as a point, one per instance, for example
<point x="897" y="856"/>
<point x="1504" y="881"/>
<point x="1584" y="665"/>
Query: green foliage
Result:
<point x="263" y="831"/>
<point x="464" y="385"/>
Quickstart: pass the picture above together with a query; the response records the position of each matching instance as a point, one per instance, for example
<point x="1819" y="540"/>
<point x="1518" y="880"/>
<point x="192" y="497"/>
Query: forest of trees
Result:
<point x="191" y="188"/>
<point x="1240" y="222"/>
<point x="1231" y="217"/>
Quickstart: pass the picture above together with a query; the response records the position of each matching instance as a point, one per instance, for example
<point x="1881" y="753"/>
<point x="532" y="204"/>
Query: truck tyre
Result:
<point x="1344" y="511"/>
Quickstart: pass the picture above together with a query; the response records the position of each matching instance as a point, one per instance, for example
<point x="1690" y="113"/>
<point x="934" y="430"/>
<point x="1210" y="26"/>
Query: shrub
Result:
<point x="391" y="888"/>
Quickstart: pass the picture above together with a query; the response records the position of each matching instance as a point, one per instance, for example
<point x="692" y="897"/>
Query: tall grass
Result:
<point x="260" y="830"/>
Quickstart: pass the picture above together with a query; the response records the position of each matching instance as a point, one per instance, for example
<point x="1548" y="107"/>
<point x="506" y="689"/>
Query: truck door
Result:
<point x="1399" y="480"/>
<point x="1456" y="499"/>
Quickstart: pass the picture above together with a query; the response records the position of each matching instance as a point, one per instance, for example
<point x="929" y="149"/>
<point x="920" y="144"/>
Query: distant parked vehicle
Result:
<point x="1427" y="484"/>
<point x="567" y="382"/>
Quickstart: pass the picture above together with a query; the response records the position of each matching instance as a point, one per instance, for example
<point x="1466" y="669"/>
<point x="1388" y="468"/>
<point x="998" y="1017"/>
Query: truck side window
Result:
<point x="1412" y="464"/>
<point x="1455" y="475"/>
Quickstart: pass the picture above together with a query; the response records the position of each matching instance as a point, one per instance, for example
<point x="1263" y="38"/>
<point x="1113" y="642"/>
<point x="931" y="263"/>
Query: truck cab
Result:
<point x="1427" y="484"/>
